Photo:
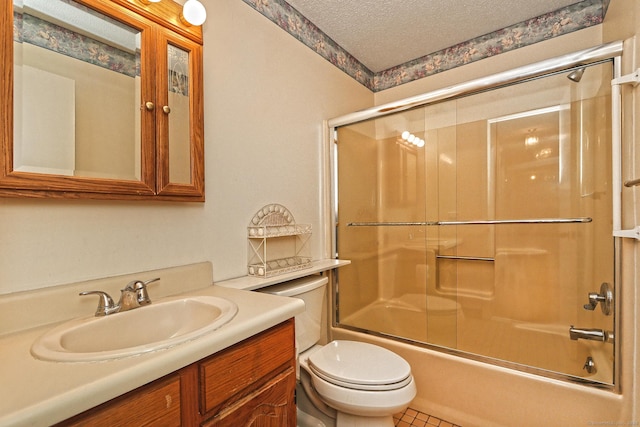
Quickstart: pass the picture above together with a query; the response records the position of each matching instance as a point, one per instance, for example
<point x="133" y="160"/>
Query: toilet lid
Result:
<point x="360" y="366"/>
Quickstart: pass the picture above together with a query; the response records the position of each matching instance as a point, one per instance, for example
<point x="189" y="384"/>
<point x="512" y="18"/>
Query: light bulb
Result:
<point x="194" y="12"/>
<point x="405" y="135"/>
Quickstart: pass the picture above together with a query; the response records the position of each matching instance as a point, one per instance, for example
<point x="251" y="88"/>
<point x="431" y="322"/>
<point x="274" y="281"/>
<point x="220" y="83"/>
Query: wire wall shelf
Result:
<point x="276" y="244"/>
<point x="278" y="231"/>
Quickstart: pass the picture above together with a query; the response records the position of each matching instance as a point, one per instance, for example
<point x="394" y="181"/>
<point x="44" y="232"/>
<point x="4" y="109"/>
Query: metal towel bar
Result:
<point x="465" y="258"/>
<point x="632" y="182"/>
<point x="474" y="222"/>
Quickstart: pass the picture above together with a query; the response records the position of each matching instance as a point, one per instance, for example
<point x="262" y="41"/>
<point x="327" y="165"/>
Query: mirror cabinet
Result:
<point x="100" y="99"/>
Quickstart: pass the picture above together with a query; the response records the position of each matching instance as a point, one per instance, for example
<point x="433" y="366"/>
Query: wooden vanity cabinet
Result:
<point x="158" y="403"/>
<point x="252" y="382"/>
<point x="249" y="384"/>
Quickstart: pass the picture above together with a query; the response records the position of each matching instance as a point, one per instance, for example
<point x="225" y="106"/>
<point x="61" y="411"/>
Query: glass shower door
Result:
<point x="487" y="238"/>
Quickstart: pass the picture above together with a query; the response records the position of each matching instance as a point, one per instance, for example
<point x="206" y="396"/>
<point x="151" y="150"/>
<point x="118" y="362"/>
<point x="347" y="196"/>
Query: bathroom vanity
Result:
<point x="244" y="370"/>
<point x="245" y="384"/>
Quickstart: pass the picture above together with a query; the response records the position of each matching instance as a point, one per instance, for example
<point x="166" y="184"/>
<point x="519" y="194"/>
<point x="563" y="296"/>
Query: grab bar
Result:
<point x="519" y="221"/>
<point x="390" y="224"/>
<point x="466" y="258"/>
<point x="474" y="222"/>
<point x="632" y="182"/>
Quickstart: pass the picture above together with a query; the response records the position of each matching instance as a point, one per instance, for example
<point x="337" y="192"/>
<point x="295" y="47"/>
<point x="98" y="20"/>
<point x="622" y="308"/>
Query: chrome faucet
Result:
<point x="590" y="334"/>
<point x="106" y="305"/>
<point x="132" y="296"/>
<point x="135" y="295"/>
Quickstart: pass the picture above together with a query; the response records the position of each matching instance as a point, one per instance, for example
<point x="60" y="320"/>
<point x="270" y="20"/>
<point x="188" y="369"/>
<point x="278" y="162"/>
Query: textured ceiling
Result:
<point x="384" y="33"/>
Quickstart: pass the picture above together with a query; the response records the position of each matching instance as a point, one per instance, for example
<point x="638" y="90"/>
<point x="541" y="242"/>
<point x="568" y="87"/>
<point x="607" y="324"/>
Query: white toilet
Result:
<point x="348" y="383"/>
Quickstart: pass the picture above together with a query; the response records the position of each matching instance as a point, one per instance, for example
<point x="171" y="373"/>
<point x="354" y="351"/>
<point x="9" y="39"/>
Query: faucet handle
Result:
<point x="140" y="289"/>
<point x="594" y="299"/>
<point x="605" y="298"/>
<point x="105" y="303"/>
<point x="151" y="281"/>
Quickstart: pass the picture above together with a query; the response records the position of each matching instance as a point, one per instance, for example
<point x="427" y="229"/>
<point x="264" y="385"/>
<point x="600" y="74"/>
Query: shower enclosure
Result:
<point x="480" y="224"/>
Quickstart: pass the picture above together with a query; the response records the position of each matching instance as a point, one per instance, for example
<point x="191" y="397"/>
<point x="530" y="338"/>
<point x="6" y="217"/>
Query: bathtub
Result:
<point x="473" y="393"/>
<point x="530" y="347"/>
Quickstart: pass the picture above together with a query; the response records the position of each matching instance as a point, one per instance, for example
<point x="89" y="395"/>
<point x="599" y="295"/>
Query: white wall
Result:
<point x="266" y="95"/>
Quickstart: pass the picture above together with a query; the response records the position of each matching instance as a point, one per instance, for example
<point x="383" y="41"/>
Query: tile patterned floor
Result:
<point x="413" y="418"/>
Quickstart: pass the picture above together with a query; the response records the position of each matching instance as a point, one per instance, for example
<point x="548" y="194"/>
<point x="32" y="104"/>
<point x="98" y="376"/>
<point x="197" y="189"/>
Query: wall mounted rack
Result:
<point x="276" y="244"/>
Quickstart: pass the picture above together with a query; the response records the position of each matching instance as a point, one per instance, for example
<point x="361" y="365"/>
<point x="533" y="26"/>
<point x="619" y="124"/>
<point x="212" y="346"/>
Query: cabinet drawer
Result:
<point x="270" y="406"/>
<point x="236" y="371"/>
<point x="154" y="404"/>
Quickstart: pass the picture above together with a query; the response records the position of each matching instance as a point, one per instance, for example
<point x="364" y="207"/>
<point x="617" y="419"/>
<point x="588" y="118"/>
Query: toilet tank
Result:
<point x="312" y="291"/>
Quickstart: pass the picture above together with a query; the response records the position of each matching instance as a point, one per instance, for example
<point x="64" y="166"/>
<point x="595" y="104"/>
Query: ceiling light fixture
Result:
<point x="531" y="138"/>
<point x="409" y="139"/>
<point x="193" y="13"/>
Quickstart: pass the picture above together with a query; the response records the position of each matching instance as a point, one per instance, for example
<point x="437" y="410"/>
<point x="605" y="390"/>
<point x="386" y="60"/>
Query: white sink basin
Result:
<point x="157" y="326"/>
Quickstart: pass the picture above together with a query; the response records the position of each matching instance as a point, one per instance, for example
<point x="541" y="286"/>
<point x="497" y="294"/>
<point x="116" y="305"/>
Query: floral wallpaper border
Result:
<point x="32" y="30"/>
<point x="574" y="17"/>
<point x="35" y="31"/>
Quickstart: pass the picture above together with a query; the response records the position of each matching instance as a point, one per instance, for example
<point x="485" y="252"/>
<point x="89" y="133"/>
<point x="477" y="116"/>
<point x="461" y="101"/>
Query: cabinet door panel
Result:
<point x="179" y="113"/>
<point x="270" y="406"/>
<point x="240" y="368"/>
<point x="76" y="123"/>
<point x="155" y="404"/>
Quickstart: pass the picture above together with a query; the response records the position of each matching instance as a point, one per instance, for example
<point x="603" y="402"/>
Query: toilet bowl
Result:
<point x="362" y="382"/>
<point x="353" y="384"/>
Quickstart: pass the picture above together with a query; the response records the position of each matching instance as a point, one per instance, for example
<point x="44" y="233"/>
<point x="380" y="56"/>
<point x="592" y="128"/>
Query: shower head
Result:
<point x="576" y="75"/>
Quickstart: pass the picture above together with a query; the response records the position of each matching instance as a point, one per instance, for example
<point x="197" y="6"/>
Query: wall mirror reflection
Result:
<point x="76" y="92"/>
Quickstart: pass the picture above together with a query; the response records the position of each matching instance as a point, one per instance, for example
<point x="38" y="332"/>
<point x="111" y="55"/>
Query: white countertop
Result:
<point x="41" y="393"/>
<point x="251" y="283"/>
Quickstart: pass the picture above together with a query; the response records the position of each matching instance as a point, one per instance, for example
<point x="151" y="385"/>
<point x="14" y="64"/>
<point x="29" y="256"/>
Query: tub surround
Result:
<point x="39" y="393"/>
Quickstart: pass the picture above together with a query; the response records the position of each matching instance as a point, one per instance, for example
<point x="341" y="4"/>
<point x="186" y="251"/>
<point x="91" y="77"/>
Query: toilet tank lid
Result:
<point x="297" y="286"/>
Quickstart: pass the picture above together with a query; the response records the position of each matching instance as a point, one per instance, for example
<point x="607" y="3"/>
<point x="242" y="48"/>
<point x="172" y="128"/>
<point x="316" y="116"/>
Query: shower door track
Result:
<point x="473" y="222"/>
<point x="487" y="359"/>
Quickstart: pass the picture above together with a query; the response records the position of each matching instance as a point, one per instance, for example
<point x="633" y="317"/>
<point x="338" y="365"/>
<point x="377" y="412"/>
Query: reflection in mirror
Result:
<point x="76" y="92"/>
<point x="179" y="132"/>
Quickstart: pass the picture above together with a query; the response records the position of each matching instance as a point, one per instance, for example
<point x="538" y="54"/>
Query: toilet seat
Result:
<point x="360" y="366"/>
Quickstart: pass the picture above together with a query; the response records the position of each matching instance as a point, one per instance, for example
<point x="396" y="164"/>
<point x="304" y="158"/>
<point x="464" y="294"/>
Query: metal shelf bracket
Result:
<point x="632" y="79"/>
<point x="633" y="233"/>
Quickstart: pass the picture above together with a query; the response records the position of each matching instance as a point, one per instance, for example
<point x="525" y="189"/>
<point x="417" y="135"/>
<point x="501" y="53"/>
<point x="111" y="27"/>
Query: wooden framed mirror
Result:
<point x="100" y="100"/>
